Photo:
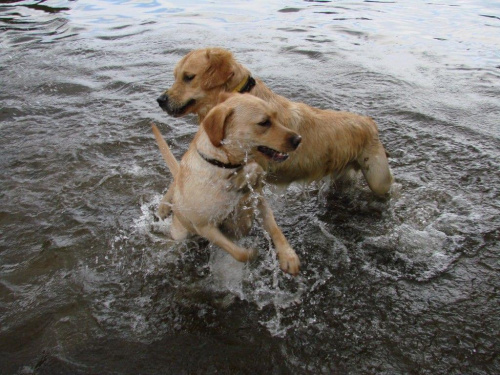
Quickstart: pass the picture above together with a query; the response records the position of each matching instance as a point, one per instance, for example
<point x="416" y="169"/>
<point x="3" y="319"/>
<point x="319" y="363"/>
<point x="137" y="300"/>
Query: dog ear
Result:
<point x="220" y="69"/>
<point x="215" y="123"/>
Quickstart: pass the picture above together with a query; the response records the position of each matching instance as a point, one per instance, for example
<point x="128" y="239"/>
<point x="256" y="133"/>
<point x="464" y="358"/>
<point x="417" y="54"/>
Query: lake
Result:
<point x="91" y="283"/>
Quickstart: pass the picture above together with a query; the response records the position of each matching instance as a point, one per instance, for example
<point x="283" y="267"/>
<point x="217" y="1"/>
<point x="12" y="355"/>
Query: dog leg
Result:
<point x="215" y="236"/>
<point x="375" y="168"/>
<point x="240" y="221"/>
<point x="177" y="230"/>
<point x="288" y="259"/>
<point x="165" y="206"/>
<point x="345" y="179"/>
<point x="244" y="215"/>
<point x="245" y="180"/>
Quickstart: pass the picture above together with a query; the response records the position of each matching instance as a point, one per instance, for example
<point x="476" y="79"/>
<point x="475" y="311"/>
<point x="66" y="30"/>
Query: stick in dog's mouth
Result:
<point x="273" y="154"/>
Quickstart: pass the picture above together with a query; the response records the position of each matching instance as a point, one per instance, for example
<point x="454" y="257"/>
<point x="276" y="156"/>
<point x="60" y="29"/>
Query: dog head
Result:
<point x="244" y="126"/>
<point x="199" y="78"/>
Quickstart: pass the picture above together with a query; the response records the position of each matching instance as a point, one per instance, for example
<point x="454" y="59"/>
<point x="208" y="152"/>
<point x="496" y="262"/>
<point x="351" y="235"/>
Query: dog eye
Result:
<point x="266" y="123"/>
<point x="188" y="77"/>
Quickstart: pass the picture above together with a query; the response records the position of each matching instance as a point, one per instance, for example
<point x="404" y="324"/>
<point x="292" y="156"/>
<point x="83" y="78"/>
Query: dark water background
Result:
<point x="91" y="284"/>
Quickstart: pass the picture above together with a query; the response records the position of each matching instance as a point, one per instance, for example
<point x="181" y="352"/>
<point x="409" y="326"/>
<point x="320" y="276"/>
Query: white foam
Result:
<point x="424" y="253"/>
<point x="227" y="272"/>
<point x="147" y="225"/>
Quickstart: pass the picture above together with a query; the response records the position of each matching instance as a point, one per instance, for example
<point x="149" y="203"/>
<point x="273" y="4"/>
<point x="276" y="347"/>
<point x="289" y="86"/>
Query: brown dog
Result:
<point x="241" y="131"/>
<point x="333" y="143"/>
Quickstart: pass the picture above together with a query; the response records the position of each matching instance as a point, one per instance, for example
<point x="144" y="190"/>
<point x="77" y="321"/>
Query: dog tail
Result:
<point x="169" y="158"/>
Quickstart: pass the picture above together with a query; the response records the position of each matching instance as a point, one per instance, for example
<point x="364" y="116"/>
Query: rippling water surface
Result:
<point x="91" y="283"/>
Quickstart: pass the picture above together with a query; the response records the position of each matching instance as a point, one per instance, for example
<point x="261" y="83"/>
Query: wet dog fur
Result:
<point x="333" y="142"/>
<point x="244" y="134"/>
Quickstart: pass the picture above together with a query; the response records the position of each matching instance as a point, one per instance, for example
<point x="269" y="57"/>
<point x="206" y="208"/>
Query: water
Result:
<point x="91" y="283"/>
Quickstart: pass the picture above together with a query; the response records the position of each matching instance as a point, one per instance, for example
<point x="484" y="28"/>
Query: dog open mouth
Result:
<point x="273" y="154"/>
<point x="179" y="111"/>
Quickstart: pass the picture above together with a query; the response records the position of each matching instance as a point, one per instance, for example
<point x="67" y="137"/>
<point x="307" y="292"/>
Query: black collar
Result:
<point x="248" y="86"/>
<point x="219" y="163"/>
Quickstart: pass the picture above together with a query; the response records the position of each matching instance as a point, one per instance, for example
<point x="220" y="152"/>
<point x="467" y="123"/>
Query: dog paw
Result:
<point x="289" y="262"/>
<point x="163" y="211"/>
<point x="246" y="178"/>
<point x="245" y="255"/>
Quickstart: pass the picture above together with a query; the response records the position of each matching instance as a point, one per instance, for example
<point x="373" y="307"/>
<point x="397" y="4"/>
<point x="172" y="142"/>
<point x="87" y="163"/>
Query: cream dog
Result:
<point x="241" y="131"/>
<point x="333" y="142"/>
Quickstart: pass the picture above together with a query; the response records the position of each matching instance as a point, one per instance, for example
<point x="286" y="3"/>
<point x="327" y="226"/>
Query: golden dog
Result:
<point x="333" y="142"/>
<point x="241" y="131"/>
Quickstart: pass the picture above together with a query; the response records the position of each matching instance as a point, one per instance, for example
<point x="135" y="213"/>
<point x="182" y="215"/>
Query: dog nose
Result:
<point x="295" y="141"/>
<point x="162" y="100"/>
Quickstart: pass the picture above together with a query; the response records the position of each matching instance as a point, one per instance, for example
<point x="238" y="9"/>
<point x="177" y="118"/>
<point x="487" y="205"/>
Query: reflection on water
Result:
<point x="91" y="283"/>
